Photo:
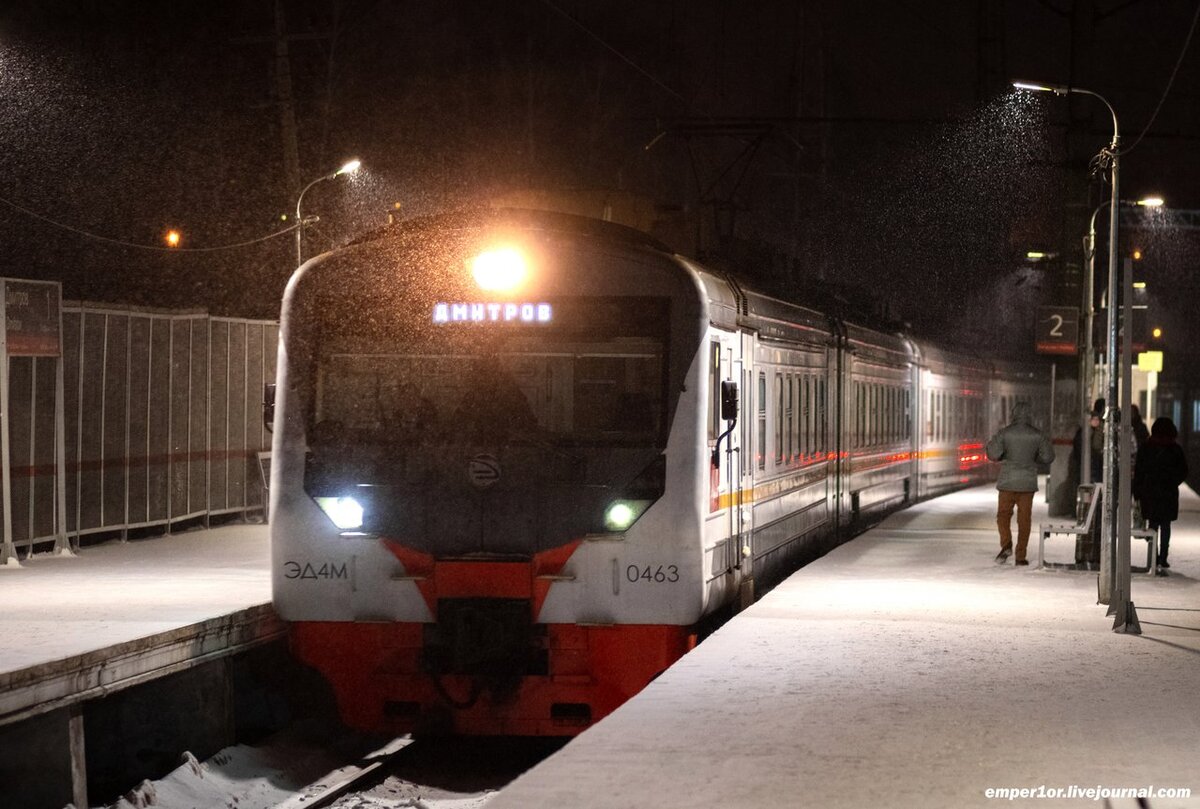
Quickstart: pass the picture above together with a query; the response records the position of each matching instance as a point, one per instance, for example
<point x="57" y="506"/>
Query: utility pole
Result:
<point x="287" y="111"/>
<point x="284" y="94"/>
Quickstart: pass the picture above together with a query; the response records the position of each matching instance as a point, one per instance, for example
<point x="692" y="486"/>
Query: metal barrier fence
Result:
<point x="163" y="420"/>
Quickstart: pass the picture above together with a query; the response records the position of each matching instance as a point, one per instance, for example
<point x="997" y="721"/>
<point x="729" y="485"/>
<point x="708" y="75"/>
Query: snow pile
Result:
<point x="297" y="761"/>
<point x="240" y="776"/>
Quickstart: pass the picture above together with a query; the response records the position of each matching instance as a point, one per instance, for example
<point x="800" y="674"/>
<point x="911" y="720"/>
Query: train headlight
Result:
<point x="500" y="270"/>
<point x="344" y="512"/>
<point x="621" y="514"/>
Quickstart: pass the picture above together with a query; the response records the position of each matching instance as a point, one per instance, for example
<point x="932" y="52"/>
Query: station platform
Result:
<point x="77" y="626"/>
<point x="907" y="669"/>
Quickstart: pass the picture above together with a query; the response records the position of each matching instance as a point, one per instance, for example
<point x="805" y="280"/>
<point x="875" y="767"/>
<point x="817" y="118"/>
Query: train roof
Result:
<point x="550" y="221"/>
<point x="732" y="303"/>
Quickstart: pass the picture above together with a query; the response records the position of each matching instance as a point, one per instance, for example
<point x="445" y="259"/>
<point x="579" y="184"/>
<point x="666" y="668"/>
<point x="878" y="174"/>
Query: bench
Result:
<point x="1087" y="500"/>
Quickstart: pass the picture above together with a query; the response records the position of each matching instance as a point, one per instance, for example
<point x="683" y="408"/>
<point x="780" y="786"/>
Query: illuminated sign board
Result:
<point x="492" y="313"/>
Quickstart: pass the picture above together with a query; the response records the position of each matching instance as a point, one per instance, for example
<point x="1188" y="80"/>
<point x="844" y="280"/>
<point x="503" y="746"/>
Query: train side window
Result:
<point x="805" y="426"/>
<point x="862" y="429"/>
<point x="881" y="436"/>
<point x="897" y="414"/>
<point x="876" y="412"/>
<point x="889" y="410"/>
<point x="872" y="412"/>
<point x="714" y="389"/>
<point x="859" y="414"/>
<point x="778" y="419"/>
<point x="822" y="437"/>
<point x="790" y="427"/>
<point x="761" y="450"/>
<point x="889" y="414"/>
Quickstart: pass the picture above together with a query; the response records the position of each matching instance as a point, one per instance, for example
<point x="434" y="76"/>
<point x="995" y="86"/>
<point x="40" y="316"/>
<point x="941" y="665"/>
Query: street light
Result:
<point x="1116" y="437"/>
<point x="348" y="168"/>
<point x="1089" y="314"/>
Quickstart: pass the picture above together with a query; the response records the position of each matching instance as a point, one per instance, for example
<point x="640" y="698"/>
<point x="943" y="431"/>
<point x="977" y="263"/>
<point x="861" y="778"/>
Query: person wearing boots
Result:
<point x="1161" y="466"/>
<point x="1020" y="448"/>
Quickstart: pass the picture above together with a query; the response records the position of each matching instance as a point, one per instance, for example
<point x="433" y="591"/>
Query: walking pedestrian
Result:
<point x="1020" y="448"/>
<point x="1161" y="466"/>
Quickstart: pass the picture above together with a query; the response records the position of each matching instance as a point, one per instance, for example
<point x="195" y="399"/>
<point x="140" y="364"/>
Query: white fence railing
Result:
<point x="162" y="421"/>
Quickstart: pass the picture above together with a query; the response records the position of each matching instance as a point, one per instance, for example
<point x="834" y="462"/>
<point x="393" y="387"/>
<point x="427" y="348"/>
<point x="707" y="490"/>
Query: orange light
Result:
<point x="1137" y="255"/>
<point x="500" y="270"/>
<point x="172" y="238"/>
<point x="1157" y="333"/>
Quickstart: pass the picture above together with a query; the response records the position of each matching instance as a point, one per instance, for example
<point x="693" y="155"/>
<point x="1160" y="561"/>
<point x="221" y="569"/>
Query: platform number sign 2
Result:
<point x="1057" y="329"/>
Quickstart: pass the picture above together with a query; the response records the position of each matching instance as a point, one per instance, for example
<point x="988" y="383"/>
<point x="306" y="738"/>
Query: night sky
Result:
<point x="871" y="151"/>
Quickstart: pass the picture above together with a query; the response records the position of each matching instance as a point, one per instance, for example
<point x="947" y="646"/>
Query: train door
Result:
<point x="741" y="527"/>
<point x="843" y="417"/>
<point x="728" y="440"/>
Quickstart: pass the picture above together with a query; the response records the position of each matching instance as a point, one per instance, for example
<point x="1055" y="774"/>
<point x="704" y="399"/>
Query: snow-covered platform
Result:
<point x="74" y="627"/>
<point x="907" y="669"/>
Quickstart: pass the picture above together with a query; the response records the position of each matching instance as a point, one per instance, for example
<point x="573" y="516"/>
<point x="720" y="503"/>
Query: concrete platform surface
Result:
<point x="55" y="607"/>
<point x="908" y="669"/>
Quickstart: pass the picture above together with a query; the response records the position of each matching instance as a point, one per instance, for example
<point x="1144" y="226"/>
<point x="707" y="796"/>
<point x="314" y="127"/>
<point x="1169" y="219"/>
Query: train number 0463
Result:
<point x="662" y="574"/>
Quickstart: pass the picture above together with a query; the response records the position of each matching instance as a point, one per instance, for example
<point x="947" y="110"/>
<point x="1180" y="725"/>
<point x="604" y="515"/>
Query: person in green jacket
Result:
<point x="1020" y="448"/>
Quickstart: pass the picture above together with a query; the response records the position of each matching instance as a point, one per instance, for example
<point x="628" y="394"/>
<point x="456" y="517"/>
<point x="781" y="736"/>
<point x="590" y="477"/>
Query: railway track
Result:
<point x="429" y="773"/>
<point x="341" y="781"/>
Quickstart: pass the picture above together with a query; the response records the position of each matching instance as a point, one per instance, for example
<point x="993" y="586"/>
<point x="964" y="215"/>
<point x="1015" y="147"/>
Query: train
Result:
<point x="523" y="461"/>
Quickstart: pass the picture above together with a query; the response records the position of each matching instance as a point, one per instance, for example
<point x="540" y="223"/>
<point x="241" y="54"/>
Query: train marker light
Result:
<point x="501" y="270"/>
<point x="343" y="512"/>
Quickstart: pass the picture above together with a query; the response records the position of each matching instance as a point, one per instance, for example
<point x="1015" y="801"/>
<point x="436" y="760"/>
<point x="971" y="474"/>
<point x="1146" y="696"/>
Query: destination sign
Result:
<point x="468" y="312"/>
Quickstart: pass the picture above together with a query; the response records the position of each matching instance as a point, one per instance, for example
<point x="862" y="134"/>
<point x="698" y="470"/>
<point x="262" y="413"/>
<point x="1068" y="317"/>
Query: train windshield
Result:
<point x="593" y="374"/>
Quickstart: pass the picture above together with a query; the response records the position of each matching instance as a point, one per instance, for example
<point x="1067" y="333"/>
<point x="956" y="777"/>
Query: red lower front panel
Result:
<point x="377" y="673"/>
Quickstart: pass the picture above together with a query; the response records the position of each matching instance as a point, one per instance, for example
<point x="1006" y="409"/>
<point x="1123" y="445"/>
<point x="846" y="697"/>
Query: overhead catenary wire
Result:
<point x="136" y="246"/>
<point x="1166" y="90"/>
<point x="578" y="24"/>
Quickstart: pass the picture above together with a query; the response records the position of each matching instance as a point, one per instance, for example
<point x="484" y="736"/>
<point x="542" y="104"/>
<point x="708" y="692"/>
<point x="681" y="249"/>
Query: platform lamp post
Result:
<point x="348" y="168"/>
<point x="1114" y="551"/>
<point x="1089" y="314"/>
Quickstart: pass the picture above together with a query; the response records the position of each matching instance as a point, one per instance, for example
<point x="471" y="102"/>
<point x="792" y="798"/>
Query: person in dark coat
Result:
<point x="1095" y="439"/>
<point x="1020" y="448"/>
<point x="1140" y="432"/>
<point x="1161" y="466"/>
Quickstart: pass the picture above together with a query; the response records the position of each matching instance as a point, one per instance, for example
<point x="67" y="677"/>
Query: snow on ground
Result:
<point x="261" y="777"/>
<point x="903" y="669"/>
<point x="907" y="669"/>
<point x="55" y="607"/>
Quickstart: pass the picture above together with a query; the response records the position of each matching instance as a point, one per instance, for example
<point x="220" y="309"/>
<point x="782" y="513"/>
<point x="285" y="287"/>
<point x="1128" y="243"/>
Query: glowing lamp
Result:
<point x="1057" y="89"/>
<point x="621" y="514"/>
<point x="500" y="270"/>
<point x="172" y="238"/>
<point x="344" y="512"/>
